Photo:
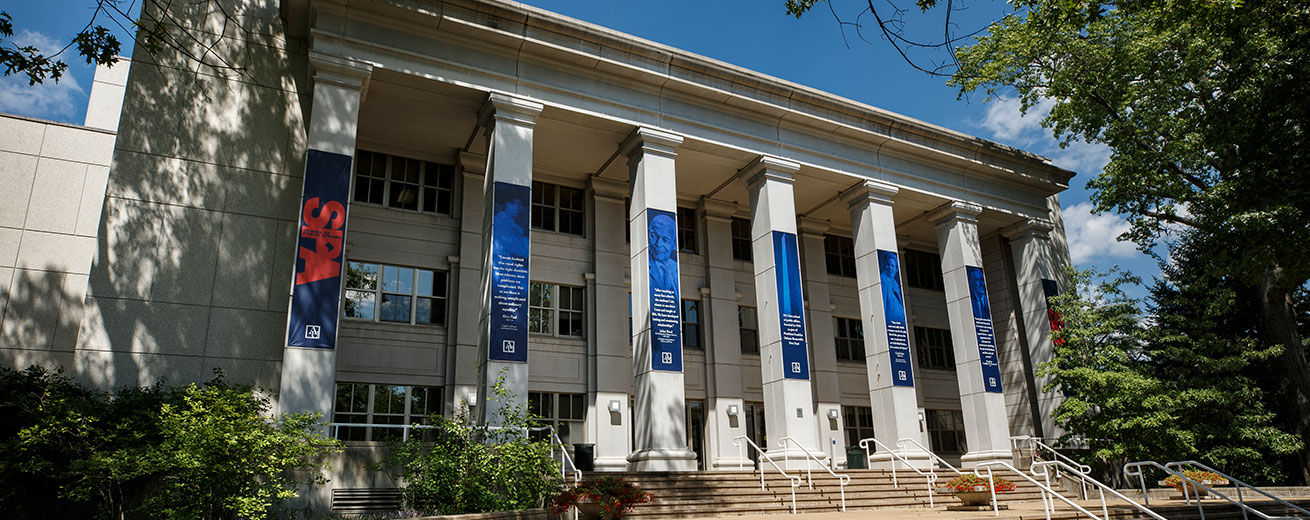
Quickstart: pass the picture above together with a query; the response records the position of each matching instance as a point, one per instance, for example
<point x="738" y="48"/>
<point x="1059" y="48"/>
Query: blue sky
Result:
<point x="756" y="34"/>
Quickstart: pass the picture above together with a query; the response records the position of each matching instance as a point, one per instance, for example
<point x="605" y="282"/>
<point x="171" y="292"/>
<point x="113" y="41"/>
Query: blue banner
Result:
<point x="893" y="310"/>
<point x="665" y="307"/>
<point x="791" y="306"/>
<point x="510" y="243"/>
<point x="316" y="296"/>
<point x="982" y="326"/>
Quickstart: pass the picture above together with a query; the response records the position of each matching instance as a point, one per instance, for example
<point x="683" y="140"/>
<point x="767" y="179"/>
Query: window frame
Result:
<point x="741" y="244"/>
<point x="839" y="255"/>
<point x="923" y="270"/>
<point x="688" y="231"/>
<point x="855" y="432"/>
<point x="926" y="350"/>
<point x="540" y="208"/>
<point x="577" y="413"/>
<point x="843" y="328"/>
<point x="378" y="291"/>
<point x="742" y="329"/>
<point x="555" y="309"/>
<point x="433" y="396"/>
<point x="698" y="325"/>
<point x="388" y="176"/>
<point x="933" y="418"/>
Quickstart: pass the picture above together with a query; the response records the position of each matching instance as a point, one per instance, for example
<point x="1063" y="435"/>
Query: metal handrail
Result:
<point x="901" y="443"/>
<point x="1100" y="486"/>
<point x="842" y="480"/>
<point x="1137" y="466"/>
<point x="795" y="481"/>
<point x="1237" y="484"/>
<point x="991" y="485"/>
<point x="404" y="433"/>
<point x="930" y="476"/>
<point x="1034" y="443"/>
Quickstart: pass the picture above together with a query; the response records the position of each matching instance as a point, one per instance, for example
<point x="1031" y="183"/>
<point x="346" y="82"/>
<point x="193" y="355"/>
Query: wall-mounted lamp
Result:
<point x="832" y="414"/>
<point x="732" y="410"/>
<point x="472" y="399"/>
<point x="615" y="405"/>
<point x="920" y="416"/>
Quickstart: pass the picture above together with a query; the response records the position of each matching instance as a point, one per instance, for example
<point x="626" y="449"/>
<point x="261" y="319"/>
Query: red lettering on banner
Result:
<point x="324" y="226"/>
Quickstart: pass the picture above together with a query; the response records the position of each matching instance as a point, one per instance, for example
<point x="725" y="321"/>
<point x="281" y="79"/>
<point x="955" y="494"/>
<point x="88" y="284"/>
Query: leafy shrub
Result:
<point x="1205" y="477"/>
<point x="614" y="495"/>
<point x="969" y="482"/>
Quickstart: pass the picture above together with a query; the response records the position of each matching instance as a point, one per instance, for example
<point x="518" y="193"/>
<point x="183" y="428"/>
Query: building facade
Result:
<point x="397" y="207"/>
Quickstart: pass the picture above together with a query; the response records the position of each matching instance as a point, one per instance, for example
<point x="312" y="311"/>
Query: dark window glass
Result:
<point x="946" y="431"/>
<point x="839" y="252"/>
<point x="403" y="183"/>
<point x="558" y="208"/>
<point x="741" y="239"/>
<point x="688" y="241"/>
<point x="405" y="177"/>
<point x="934" y="348"/>
<point x="691" y="337"/>
<point x="858" y="423"/>
<point x="370" y="177"/>
<point x="748" y="324"/>
<point x="923" y="270"/>
<point x="849" y="339"/>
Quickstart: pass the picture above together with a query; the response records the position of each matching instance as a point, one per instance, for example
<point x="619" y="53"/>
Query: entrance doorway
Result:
<point x="753" y="414"/>
<point x="696" y="431"/>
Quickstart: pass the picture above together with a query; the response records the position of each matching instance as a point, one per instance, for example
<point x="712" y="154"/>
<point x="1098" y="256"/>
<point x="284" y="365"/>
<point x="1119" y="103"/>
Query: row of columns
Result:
<point x="495" y="246"/>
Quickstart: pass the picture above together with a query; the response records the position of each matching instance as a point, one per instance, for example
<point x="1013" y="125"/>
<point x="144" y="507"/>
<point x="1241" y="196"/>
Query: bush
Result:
<point x="1205" y="477"/>
<point x="614" y="496"/>
<point x="198" y="452"/>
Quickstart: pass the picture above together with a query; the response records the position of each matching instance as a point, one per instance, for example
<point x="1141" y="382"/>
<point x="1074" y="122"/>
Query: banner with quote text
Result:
<point x="665" y="306"/>
<point x="510" y="243"/>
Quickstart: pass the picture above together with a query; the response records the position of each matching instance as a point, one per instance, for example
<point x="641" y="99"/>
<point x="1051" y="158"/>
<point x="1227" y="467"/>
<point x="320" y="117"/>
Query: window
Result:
<point x="850" y="340"/>
<point x="691" y="325"/>
<point x="406" y="294"/>
<point x="555" y="309"/>
<point x="749" y="325"/>
<point x="403" y="183"/>
<point x="858" y="423"/>
<point x="934" y="348"/>
<point x="923" y="270"/>
<point x="840" y="255"/>
<point x="384" y="407"/>
<point x="563" y="412"/>
<point x="558" y="208"/>
<point x="688" y="241"/>
<point x="741" y="239"/>
<point x="946" y="431"/>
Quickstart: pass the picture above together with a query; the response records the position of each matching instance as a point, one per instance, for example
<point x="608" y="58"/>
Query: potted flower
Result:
<point x="973" y="490"/>
<point x="606" y="498"/>
<point x="1207" y="478"/>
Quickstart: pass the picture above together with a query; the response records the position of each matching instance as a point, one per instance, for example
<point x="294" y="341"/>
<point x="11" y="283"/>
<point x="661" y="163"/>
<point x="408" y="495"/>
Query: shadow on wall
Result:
<point x="41" y="311"/>
<point x="196" y="241"/>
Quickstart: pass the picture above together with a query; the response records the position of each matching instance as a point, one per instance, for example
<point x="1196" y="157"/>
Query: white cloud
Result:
<point x="60" y="101"/>
<point x="1005" y="123"/>
<point x="1094" y="237"/>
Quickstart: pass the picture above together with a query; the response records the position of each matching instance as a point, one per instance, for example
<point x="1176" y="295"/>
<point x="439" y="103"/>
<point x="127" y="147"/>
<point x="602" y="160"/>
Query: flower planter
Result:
<point x="588" y="511"/>
<point x="975" y="498"/>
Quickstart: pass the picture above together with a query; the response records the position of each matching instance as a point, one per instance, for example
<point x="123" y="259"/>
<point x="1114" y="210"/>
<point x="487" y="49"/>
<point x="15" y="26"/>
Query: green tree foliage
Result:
<point x="198" y="452"/>
<point x="1178" y="380"/>
<point x="458" y="467"/>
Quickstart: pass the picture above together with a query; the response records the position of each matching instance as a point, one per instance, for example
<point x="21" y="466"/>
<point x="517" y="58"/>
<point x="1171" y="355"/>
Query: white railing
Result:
<point x="795" y="481"/>
<point x="1134" y="469"/>
<point x="1048" y="507"/>
<point x="1040" y="469"/>
<point x="404" y="428"/>
<point x="566" y="467"/>
<point x="1237" y="484"/>
<point x="930" y="476"/>
<point x="903" y="444"/>
<point x="842" y="480"/>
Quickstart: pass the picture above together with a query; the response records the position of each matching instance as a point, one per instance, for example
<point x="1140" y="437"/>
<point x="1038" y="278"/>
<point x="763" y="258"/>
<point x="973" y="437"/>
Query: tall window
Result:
<point x="403" y="183"/>
<point x="556" y="310"/>
<point x="850" y="339"/>
<point x="946" y="431"/>
<point x="840" y="255"/>
<point x="741" y="239"/>
<point x="379" y="292"/>
<point x="934" y="348"/>
<point x="691" y="337"/>
<point x="749" y="325"/>
<point x="923" y="270"/>
<point x="858" y="423"/>
<point x="389" y="405"/>
<point x="558" y="208"/>
<point x="688" y="240"/>
<point x="563" y="412"/>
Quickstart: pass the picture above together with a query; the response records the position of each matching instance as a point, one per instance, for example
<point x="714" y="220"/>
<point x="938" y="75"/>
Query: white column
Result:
<point x="463" y="372"/>
<point x="506" y="247"/>
<point x="725" y="419"/>
<point x="977" y="362"/>
<point x="784" y="355"/>
<point x="822" y="337"/>
<point x="1037" y="278"/>
<point x="889" y="360"/>
<point x="660" y="422"/>
<point x="612" y="430"/>
<point x="309" y="363"/>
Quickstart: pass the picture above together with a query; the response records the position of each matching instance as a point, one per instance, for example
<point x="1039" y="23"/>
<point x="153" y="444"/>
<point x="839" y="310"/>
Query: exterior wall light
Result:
<point x="615" y="405"/>
<point x="732" y="410"/>
<point x="832" y="414"/>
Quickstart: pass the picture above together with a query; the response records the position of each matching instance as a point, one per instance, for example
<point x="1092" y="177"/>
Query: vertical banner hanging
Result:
<point x="665" y="306"/>
<point x="791" y="306"/>
<point x="893" y="309"/>
<point x="316" y="295"/>
<point x="1053" y="316"/>
<point x="982" y="326"/>
<point x="509" y="273"/>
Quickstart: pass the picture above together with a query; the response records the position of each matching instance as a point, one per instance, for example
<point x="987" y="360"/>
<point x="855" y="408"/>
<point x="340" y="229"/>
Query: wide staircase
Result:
<point x="724" y="493"/>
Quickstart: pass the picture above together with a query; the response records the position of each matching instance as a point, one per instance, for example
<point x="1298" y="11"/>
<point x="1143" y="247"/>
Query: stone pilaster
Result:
<point x="724" y="349"/>
<point x="1037" y="278"/>
<point x="612" y="358"/>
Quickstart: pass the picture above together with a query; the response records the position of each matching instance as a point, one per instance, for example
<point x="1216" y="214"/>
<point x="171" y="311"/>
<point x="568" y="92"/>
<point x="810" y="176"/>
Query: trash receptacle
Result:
<point x="584" y="456"/>
<point x="855" y="458"/>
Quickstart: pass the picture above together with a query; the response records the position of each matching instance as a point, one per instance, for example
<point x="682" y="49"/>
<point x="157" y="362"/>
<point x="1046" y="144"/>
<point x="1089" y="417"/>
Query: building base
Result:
<point x="662" y="459"/>
<point x="973" y="458"/>
<point x="916" y="459"/>
<point x="732" y="464"/>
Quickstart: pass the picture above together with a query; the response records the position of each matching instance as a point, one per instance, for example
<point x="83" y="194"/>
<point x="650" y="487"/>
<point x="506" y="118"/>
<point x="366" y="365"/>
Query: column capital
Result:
<point x="812" y="226"/>
<point x="511" y="109"/>
<point x="768" y="167"/>
<point x="956" y="210"/>
<point x="340" y="71"/>
<point x="717" y="209"/>
<point x="1028" y="229"/>
<point x="869" y="191"/>
<point x="649" y="140"/>
<point x="609" y="189"/>
<point x="473" y="163"/>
